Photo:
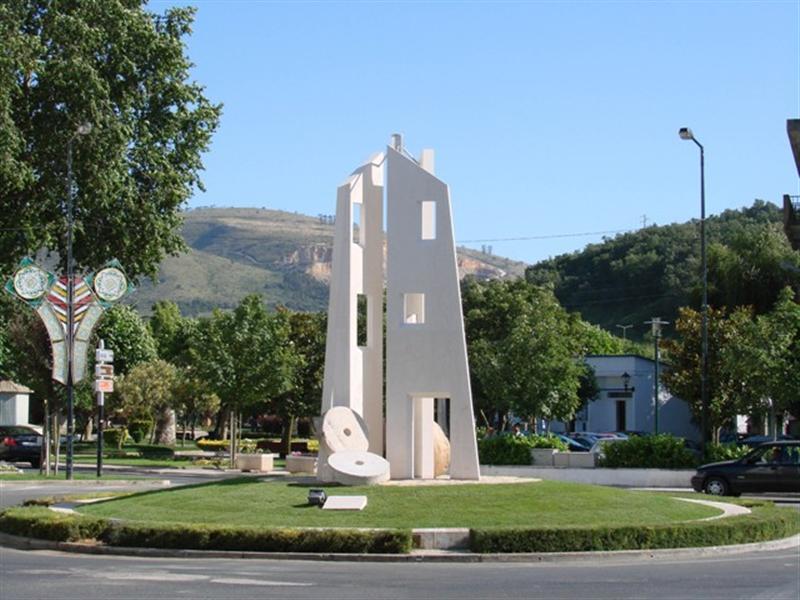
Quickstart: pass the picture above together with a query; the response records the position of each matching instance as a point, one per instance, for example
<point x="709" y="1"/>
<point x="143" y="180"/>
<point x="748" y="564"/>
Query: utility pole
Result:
<point x="656" y="324"/>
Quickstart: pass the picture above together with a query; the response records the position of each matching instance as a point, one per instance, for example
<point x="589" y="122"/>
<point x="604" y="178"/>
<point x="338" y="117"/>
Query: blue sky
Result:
<point x="548" y="118"/>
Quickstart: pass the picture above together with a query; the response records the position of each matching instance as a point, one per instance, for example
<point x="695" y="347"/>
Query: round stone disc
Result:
<point x="359" y="468"/>
<point x="343" y="429"/>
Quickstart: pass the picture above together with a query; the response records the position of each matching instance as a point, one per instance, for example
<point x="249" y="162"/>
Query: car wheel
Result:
<point x="716" y="486"/>
<point x="36" y="462"/>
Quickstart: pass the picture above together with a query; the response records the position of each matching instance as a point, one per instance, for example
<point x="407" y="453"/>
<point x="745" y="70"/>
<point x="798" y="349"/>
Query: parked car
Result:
<point x="572" y="444"/>
<point x="757" y="440"/>
<point x="19" y="443"/>
<point x="772" y="467"/>
<point x="598" y="448"/>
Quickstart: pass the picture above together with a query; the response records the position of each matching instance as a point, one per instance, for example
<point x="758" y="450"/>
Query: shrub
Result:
<point x="765" y="523"/>
<point x="139" y="429"/>
<point x="155" y="452"/>
<point x="505" y="450"/>
<point x="212" y="445"/>
<point x="548" y="441"/>
<point x="114" y="437"/>
<point x="662" y="451"/>
<point x="720" y="452"/>
<point x="43" y="523"/>
<point x="247" y="446"/>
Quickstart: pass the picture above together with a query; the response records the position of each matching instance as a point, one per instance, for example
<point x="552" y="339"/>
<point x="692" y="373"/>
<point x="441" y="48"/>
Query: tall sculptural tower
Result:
<point x="427" y="376"/>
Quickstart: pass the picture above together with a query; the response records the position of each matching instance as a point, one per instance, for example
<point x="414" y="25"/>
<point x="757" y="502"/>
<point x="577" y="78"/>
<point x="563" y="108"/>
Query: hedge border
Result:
<point x="764" y="523"/>
<point x="43" y="523"/>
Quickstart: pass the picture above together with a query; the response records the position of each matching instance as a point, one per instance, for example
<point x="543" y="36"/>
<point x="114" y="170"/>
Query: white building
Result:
<point x="625" y="401"/>
<point x="14" y="403"/>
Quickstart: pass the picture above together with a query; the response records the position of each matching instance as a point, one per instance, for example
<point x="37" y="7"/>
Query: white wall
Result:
<point x="14" y="409"/>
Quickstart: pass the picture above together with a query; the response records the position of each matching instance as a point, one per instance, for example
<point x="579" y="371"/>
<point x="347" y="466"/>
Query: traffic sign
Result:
<point x="104" y="385"/>
<point x="106" y="356"/>
<point x="104" y="371"/>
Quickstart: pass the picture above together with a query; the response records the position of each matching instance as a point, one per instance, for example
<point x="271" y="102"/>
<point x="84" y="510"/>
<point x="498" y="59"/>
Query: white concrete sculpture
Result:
<point x="427" y="376"/>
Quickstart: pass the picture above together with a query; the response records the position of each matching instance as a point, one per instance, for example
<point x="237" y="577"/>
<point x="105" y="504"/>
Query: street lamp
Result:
<point x="82" y="129"/>
<point x="686" y="134"/>
<point x="626" y="381"/>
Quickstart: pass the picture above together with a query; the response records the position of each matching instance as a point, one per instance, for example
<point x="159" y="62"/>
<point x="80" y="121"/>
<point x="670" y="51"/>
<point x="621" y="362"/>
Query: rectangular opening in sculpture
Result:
<point x="423" y="437"/>
<point x="441" y="414"/>
<point x="362" y="306"/>
<point x="428" y="220"/>
<point x="358" y="230"/>
<point x="414" y="308"/>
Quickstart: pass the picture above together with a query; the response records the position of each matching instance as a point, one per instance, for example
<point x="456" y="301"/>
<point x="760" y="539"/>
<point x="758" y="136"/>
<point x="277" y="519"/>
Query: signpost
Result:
<point x="103" y="384"/>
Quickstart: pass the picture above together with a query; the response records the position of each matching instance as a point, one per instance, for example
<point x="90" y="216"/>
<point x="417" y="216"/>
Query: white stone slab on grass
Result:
<point x="345" y="503"/>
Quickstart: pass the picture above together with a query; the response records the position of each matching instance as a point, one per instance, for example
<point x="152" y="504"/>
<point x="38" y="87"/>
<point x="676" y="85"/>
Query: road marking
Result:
<point x="263" y="582"/>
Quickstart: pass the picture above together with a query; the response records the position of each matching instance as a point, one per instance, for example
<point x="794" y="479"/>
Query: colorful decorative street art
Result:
<point x="49" y="296"/>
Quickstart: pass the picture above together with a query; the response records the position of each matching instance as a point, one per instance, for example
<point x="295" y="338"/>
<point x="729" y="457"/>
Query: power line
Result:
<point x="545" y="237"/>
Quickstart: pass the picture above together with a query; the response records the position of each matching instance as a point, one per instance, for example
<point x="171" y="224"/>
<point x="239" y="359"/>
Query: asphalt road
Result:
<point x="42" y="575"/>
<point x="46" y="574"/>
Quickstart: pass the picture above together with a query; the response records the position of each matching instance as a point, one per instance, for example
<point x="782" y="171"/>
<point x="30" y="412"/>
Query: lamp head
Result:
<point x="626" y="380"/>
<point x="685" y="133"/>
<point x="84" y="128"/>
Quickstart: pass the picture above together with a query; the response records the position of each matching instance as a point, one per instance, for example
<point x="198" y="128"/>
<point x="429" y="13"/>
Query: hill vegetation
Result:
<point x="285" y="257"/>
<point x="653" y="271"/>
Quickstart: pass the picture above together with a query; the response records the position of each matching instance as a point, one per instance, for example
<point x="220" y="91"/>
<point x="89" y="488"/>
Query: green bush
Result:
<point x="155" y="452"/>
<point x="662" y="451"/>
<point x="139" y="429"/>
<point x="248" y="446"/>
<point x="505" y="450"/>
<point x="720" y="452"/>
<point x="765" y="523"/>
<point x="212" y="445"/>
<point x="115" y="437"/>
<point x="548" y="441"/>
<point x="42" y="523"/>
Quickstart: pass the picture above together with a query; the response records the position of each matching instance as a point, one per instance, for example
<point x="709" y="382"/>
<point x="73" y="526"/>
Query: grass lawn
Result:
<point x="269" y="503"/>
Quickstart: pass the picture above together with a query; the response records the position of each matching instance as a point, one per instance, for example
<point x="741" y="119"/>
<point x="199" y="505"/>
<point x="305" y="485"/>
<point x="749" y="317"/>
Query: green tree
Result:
<point x="193" y="400"/>
<point x="525" y="350"/>
<point x="172" y="333"/>
<point x="147" y="392"/>
<point x="122" y="68"/>
<point x="124" y="332"/>
<point x="246" y="356"/>
<point x="303" y="399"/>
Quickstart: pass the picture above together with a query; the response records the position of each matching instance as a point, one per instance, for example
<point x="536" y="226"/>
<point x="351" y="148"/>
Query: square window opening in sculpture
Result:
<point x="362" y="308"/>
<point x="358" y="229"/>
<point x="428" y="220"/>
<point x="414" y="308"/>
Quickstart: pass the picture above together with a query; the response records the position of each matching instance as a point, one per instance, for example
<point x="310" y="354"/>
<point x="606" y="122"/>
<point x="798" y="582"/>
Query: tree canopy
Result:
<point x="121" y="68"/>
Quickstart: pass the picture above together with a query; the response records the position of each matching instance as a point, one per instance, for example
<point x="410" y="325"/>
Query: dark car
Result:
<point x="20" y="444"/>
<point x="772" y="467"/>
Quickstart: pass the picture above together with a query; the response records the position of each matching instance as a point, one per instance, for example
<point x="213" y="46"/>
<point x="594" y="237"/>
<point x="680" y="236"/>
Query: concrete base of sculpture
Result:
<point x="255" y="462"/>
<point x="301" y="464"/>
<point x="441" y="451"/>
<point x="358" y="468"/>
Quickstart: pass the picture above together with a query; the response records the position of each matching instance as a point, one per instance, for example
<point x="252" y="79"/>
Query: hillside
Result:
<point x="653" y="271"/>
<point x="284" y="256"/>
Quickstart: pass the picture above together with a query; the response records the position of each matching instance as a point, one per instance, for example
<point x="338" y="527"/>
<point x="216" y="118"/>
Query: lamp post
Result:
<point x="686" y="134"/>
<point x="82" y="129"/>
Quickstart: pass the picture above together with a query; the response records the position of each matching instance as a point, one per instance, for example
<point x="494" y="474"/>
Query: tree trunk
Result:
<point x="286" y="436"/>
<point x="165" y="428"/>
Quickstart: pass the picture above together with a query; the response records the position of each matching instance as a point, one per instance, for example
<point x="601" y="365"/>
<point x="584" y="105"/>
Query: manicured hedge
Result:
<point x="765" y="523"/>
<point x="508" y="449"/>
<point x="662" y="451"/>
<point x="42" y="523"/>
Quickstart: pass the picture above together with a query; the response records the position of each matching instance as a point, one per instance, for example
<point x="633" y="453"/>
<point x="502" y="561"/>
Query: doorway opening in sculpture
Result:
<point x="362" y="308"/>
<point x="441" y="414"/>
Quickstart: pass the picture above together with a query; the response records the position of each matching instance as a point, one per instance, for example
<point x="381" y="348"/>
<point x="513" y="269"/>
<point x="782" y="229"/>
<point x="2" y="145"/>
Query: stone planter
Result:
<point x="580" y="460"/>
<point x="255" y="462"/>
<point x="543" y="457"/>
<point x="301" y="463"/>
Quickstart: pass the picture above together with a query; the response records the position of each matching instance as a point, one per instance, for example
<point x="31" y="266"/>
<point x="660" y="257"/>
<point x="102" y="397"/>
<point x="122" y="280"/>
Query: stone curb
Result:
<point x="23" y="543"/>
